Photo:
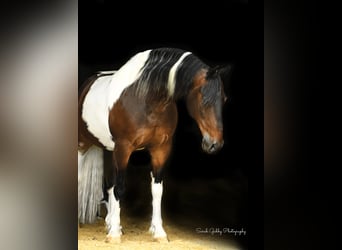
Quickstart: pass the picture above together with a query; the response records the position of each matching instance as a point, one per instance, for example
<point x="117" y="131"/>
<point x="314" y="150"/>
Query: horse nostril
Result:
<point x="213" y="147"/>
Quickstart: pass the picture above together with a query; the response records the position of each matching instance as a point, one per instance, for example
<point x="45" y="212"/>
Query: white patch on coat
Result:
<point x="103" y="94"/>
<point x="171" y="84"/>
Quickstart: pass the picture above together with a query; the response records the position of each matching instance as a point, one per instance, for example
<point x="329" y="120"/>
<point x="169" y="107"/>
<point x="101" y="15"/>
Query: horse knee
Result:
<point x="157" y="175"/>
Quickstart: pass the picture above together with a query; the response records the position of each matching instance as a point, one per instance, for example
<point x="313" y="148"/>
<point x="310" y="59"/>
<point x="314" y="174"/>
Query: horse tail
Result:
<point x="90" y="177"/>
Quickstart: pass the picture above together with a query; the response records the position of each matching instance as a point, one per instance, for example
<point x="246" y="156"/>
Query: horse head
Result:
<point x="205" y="102"/>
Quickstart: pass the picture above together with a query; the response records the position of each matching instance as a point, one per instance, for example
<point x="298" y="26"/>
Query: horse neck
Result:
<point x="188" y="83"/>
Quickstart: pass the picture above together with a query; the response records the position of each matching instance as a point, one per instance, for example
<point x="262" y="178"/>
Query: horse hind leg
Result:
<point x="114" y="174"/>
<point x="113" y="223"/>
<point x="113" y="218"/>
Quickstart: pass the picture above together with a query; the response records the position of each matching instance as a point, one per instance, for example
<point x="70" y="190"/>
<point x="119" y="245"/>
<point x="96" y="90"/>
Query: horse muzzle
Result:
<point x="211" y="146"/>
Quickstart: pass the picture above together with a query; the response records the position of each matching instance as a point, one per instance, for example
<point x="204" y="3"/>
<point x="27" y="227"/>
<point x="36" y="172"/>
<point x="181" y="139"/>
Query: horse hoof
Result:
<point x="161" y="239"/>
<point x="158" y="234"/>
<point x="112" y="239"/>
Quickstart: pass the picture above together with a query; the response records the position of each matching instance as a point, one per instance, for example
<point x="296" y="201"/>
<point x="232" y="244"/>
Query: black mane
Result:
<point x="152" y="83"/>
<point x="211" y="91"/>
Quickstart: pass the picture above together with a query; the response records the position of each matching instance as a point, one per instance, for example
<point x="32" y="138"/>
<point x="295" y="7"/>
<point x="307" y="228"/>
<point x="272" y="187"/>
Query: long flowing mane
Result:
<point x="167" y="73"/>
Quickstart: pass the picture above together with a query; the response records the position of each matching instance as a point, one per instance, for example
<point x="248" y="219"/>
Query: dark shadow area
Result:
<point x="193" y="204"/>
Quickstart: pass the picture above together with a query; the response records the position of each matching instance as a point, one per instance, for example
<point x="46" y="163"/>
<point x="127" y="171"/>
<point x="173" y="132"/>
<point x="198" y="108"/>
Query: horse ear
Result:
<point x="225" y="72"/>
<point x="212" y="72"/>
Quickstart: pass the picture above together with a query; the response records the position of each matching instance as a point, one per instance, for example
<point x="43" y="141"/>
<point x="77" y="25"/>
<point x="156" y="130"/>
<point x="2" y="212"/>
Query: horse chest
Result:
<point x="141" y="124"/>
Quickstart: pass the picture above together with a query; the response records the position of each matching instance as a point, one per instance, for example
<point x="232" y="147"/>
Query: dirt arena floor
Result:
<point x="196" y="214"/>
<point x="136" y="236"/>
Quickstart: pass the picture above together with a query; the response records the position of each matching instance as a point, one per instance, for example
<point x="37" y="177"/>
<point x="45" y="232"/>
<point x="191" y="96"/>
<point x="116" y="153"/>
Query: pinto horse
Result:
<point x="135" y="108"/>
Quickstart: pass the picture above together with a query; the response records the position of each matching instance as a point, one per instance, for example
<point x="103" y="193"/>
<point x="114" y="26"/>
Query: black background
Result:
<point x="218" y="33"/>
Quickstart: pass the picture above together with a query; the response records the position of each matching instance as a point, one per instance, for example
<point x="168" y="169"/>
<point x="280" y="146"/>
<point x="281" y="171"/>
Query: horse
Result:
<point x="135" y="108"/>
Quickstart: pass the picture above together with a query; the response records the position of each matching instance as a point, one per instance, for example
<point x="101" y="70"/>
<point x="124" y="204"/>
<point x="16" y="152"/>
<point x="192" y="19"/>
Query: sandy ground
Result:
<point x="186" y="206"/>
<point x="136" y="236"/>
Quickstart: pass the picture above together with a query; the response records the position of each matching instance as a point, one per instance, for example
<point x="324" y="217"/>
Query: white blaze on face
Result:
<point x="171" y="84"/>
<point x="103" y="94"/>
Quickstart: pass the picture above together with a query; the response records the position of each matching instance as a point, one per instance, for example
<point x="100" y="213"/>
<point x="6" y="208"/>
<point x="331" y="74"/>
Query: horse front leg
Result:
<point x="115" y="192"/>
<point x="159" y="156"/>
